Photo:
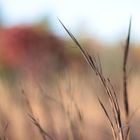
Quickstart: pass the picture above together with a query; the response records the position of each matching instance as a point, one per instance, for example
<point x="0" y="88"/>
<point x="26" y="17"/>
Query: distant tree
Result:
<point x="31" y="47"/>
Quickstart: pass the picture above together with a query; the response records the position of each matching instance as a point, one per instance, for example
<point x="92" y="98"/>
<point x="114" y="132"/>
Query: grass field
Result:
<point x="60" y="94"/>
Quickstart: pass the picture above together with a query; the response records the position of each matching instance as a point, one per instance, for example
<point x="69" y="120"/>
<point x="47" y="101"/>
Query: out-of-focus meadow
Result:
<point x="48" y="90"/>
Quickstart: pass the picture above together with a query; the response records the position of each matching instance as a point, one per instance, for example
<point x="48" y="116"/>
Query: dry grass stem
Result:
<point x="117" y="128"/>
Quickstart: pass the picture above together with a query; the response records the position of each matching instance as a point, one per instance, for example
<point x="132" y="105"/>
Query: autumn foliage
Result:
<point x="26" y="46"/>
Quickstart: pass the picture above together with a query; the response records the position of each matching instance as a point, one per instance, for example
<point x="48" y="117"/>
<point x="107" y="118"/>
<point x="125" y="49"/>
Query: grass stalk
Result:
<point x="125" y="82"/>
<point x="108" y="90"/>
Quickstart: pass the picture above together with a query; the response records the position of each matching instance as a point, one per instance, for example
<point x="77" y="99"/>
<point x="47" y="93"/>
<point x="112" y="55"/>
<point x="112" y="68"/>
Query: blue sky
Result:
<point x="105" y="19"/>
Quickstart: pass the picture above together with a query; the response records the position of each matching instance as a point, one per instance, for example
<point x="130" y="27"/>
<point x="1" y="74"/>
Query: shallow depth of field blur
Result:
<point x="45" y="79"/>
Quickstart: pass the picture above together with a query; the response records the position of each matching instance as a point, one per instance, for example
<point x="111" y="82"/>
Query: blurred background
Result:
<point x="46" y="86"/>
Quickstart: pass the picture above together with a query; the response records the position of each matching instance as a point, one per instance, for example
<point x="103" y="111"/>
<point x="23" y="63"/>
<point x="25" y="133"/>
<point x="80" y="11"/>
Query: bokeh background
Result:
<point x="45" y="81"/>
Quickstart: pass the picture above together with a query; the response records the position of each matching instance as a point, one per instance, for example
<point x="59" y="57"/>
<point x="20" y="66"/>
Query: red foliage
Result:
<point x="27" y="46"/>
